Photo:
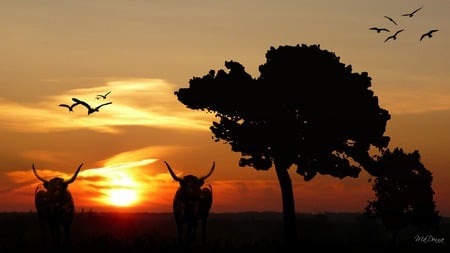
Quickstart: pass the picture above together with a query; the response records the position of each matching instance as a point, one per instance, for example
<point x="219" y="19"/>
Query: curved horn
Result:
<point x="71" y="180"/>
<point x="172" y="173"/>
<point x="40" y="178"/>
<point x="210" y="172"/>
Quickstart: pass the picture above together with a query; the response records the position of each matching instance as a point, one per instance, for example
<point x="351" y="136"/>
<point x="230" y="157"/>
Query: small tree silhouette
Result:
<point x="404" y="195"/>
<point x="305" y="109"/>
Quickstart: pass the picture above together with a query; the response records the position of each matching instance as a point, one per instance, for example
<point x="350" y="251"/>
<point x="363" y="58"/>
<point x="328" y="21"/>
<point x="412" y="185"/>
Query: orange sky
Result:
<point x="142" y="51"/>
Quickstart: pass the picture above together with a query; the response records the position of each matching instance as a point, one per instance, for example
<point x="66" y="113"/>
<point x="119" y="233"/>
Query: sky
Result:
<point x="142" y="51"/>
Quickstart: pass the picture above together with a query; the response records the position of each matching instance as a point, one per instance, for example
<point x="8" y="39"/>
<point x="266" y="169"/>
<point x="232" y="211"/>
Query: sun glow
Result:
<point x="124" y="190"/>
<point x="122" y="197"/>
<point x="119" y="183"/>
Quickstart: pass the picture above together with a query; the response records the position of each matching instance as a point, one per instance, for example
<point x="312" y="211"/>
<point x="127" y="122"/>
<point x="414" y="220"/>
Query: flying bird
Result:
<point x="378" y="30"/>
<point x="391" y="19"/>
<point x="394" y="36"/>
<point x="103" y="96"/>
<point x="90" y="109"/>
<point x="412" y="13"/>
<point x="429" y="34"/>
<point x="70" y="107"/>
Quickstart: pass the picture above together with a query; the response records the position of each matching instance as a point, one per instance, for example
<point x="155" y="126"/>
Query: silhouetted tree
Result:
<point x="306" y="109"/>
<point x="404" y="195"/>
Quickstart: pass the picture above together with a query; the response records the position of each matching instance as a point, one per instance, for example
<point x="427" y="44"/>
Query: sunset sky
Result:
<point x="142" y="51"/>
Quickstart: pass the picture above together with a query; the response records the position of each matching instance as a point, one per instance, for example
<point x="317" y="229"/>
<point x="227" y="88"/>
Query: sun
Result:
<point x="122" y="197"/>
<point x="123" y="192"/>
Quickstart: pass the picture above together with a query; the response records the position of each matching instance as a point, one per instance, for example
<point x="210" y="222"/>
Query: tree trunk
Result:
<point x="287" y="195"/>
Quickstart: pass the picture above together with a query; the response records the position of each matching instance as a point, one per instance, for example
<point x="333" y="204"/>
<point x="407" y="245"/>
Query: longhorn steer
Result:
<point x="55" y="207"/>
<point x="192" y="202"/>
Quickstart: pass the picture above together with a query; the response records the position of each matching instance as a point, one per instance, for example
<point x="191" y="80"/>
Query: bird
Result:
<point x="394" y="37"/>
<point x="103" y="96"/>
<point x="70" y="107"/>
<point x="391" y="19"/>
<point x="429" y="34"/>
<point x="412" y="13"/>
<point x="90" y="109"/>
<point x="378" y="30"/>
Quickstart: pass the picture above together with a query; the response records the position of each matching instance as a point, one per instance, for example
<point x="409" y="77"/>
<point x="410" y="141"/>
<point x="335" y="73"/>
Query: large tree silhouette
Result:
<point x="403" y="193"/>
<point x="305" y="109"/>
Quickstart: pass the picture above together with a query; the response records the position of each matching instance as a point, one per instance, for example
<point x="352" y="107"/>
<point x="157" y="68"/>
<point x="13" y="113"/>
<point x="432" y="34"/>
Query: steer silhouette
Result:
<point x="192" y="202"/>
<point x="55" y="208"/>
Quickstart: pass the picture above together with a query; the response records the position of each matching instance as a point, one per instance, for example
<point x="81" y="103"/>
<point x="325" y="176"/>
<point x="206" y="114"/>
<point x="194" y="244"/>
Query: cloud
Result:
<point x="413" y="93"/>
<point x="123" y="159"/>
<point x="412" y="101"/>
<point x="135" y="102"/>
<point x="27" y="176"/>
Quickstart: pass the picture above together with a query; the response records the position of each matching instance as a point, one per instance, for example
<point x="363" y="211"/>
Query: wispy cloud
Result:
<point x="135" y="102"/>
<point x="412" y="101"/>
<point x="413" y="93"/>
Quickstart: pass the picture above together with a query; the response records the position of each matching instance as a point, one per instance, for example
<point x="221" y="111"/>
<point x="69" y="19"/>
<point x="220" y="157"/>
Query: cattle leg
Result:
<point x="66" y="236"/>
<point x="43" y="232"/>
<point x="54" y="235"/>
<point x="203" y="230"/>
<point x="192" y="225"/>
<point x="179" y="224"/>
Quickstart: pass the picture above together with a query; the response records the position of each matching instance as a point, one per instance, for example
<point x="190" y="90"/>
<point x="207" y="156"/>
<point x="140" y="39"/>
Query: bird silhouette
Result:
<point x="378" y="30"/>
<point x="394" y="36"/>
<point x="103" y="96"/>
<point x="70" y="107"/>
<point x="391" y="19"/>
<point x="412" y="13"/>
<point x="429" y="34"/>
<point x="90" y="109"/>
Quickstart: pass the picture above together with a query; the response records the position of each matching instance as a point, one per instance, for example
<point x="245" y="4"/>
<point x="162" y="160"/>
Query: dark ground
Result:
<point x="227" y="232"/>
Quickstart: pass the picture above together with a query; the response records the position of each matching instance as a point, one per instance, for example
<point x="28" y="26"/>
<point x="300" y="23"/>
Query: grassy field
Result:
<point x="227" y="232"/>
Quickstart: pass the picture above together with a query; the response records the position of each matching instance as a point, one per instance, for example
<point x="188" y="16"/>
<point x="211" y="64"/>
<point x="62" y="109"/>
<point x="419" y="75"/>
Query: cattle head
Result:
<point x="57" y="186"/>
<point x="189" y="184"/>
<point x="191" y="203"/>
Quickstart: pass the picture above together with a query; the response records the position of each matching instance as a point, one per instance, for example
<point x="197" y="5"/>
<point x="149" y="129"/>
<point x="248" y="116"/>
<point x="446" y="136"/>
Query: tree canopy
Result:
<point x="306" y="108"/>
<point x="403" y="194"/>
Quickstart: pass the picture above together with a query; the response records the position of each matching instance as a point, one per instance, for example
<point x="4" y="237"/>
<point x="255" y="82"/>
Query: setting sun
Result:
<point x="123" y="191"/>
<point x="116" y="184"/>
<point x="122" y="197"/>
